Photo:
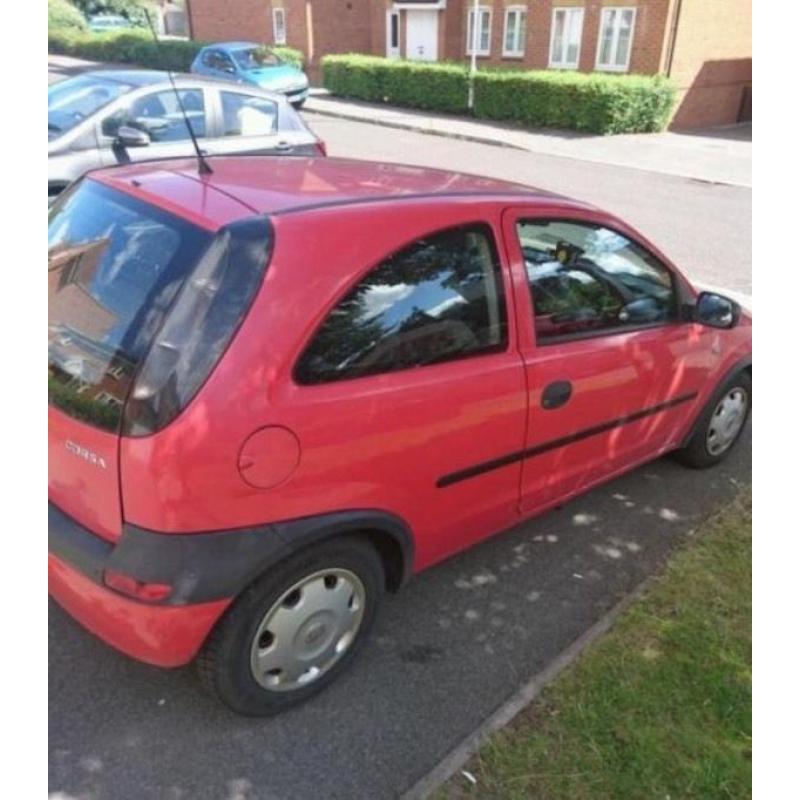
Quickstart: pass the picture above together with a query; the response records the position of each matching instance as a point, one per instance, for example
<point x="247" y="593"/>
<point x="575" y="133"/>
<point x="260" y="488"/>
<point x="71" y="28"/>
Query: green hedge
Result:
<point x="439" y="87"/>
<point x="138" y="47"/>
<point x="591" y="102"/>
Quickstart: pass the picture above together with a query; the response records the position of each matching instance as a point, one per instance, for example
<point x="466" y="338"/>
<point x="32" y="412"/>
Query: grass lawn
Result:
<point x="659" y="708"/>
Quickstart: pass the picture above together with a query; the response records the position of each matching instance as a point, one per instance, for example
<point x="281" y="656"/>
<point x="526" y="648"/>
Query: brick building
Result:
<point x="703" y="45"/>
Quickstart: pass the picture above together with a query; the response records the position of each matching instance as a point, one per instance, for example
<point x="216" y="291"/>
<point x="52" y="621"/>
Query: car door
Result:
<point x="157" y="113"/>
<point x="249" y="123"/>
<point x="410" y="377"/>
<point x="612" y="370"/>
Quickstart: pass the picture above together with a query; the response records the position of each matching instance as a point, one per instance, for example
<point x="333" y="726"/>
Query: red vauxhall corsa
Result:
<point x="278" y="390"/>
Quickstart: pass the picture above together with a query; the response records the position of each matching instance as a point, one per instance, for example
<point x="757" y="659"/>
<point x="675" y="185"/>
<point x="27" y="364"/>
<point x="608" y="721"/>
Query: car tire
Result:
<point x="720" y="425"/>
<point x="314" y="610"/>
<point x="298" y="105"/>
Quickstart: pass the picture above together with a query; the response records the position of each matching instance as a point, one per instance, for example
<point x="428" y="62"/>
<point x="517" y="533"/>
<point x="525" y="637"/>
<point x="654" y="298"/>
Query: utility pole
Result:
<point x="473" y="66"/>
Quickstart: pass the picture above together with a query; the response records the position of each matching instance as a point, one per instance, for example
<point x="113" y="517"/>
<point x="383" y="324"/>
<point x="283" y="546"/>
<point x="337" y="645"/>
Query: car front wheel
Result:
<point x="721" y="423"/>
<point x="296" y="629"/>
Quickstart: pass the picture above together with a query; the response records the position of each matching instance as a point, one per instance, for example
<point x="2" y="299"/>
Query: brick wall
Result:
<point x="710" y="60"/>
<point x="650" y="26"/>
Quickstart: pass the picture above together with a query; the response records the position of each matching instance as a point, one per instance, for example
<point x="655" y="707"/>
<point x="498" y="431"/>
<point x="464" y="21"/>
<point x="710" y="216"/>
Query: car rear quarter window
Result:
<point x="586" y="279"/>
<point x="247" y="115"/>
<point x="438" y="299"/>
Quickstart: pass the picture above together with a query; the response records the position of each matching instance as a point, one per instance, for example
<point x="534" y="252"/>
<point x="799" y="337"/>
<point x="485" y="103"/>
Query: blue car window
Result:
<point x="256" y="58"/>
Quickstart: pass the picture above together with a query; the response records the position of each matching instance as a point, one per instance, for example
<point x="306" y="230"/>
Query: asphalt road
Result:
<point x="703" y="227"/>
<point x="461" y="638"/>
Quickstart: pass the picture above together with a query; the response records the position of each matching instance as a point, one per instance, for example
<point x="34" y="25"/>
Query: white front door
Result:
<point x="422" y="35"/>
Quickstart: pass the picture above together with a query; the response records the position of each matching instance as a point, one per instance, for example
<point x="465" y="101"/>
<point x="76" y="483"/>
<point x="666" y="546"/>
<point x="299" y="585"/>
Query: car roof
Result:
<point x="233" y="45"/>
<point x="133" y="77"/>
<point x="138" y="78"/>
<point x="276" y="185"/>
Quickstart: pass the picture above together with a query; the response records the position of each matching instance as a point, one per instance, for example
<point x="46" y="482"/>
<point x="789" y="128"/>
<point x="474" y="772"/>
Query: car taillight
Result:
<point x="322" y="148"/>
<point x="201" y="323"/>
<point x="127" y="585"/>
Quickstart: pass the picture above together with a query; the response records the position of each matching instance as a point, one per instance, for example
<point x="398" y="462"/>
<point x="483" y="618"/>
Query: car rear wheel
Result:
<point x="296" y="629"/>
<point x="720" y="425"/>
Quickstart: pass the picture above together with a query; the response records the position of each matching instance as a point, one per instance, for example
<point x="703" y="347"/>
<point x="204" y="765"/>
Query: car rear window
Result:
<point x="114" y="266"/>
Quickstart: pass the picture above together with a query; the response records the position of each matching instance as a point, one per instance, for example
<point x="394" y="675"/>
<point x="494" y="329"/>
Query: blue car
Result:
<point x="254" y="64"/>
<point x="102" y="23"/>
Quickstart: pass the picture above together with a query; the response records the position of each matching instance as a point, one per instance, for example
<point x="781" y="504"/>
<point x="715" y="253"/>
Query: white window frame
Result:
<point x="521" y="13"/>
<point x="277" y="12"/>
<point x="614" y="40"/>
<point x="392" y="52"/>
<point x="565" y="64"/>
<point x="483" y="12"/>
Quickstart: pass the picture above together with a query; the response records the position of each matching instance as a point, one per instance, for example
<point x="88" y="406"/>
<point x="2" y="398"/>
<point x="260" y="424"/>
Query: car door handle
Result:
<point x="556" y="394"/>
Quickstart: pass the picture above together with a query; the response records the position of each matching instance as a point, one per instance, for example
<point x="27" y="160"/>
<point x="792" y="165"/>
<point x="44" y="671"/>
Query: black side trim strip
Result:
<point x="530" y="452"/>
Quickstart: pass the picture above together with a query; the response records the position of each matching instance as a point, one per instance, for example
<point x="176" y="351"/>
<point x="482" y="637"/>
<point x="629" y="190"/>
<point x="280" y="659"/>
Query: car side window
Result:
<point x="439" y="299"/>
<point x="211" y="59"/>
<point x="246" y="115"/>
<point x="160" y="116"/>
<point x="225" y="62"/>
<point x="586" y="279"/>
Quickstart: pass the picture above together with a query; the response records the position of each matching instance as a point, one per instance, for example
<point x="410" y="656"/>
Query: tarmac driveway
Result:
<point x="449" y="649"/>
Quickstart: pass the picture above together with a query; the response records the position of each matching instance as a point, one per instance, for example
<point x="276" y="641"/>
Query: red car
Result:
<point x="280" y="389"/>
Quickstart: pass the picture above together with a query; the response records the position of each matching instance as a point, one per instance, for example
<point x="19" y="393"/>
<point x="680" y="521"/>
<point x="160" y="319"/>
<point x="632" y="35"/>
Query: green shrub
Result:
<point x="437" y="87"/>
<point x="290" y="55"/>
<point x="63" y="16"/>
<point x="584" y="102"/>
<point x="137" y="47"/>
<point x="592" y="102"/>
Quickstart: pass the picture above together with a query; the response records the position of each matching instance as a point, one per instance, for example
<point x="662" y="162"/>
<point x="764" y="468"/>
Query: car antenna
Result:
<point x="203" y="167"/>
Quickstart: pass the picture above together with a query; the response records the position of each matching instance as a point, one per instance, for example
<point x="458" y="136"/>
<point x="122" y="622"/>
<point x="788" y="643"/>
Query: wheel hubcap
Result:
<point x="726" y="421"/>
<point x="309" y="628"/>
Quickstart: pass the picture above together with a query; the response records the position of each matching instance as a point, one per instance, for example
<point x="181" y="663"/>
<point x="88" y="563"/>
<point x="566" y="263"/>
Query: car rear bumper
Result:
<point x="165" y="636"/>
<point x="204" y="572"/>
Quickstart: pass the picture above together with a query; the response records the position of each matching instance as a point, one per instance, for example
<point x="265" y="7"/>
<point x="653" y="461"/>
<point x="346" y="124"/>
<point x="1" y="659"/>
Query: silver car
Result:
<point x="102" y="118"/>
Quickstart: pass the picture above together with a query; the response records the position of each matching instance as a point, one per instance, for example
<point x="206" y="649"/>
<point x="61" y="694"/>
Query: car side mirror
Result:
<point x="716" y="311"/>
<point x="131" y="137"/>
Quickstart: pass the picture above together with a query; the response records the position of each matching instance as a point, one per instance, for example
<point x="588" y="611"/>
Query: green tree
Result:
<point x="62" y="15"/>
<point x="134" y="10"/>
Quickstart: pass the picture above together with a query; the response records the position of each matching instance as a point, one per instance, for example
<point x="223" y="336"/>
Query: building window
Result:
<point x="484" y="31"/>
<point x="616" y="36"/>
<point x="279" y="25"/>
<point x="565" y="37"/>
<point x="514" y="35"/>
